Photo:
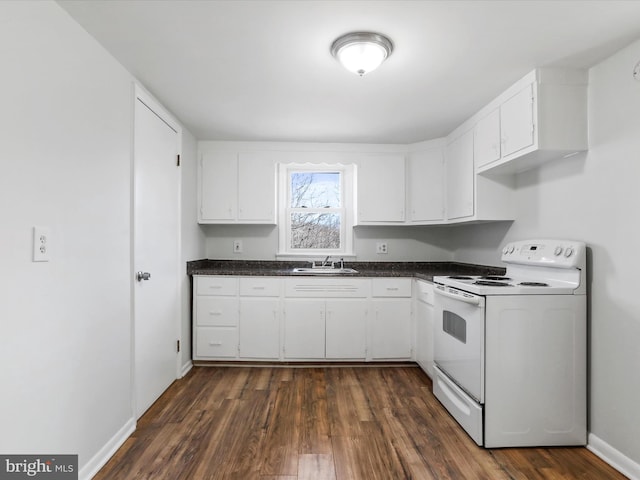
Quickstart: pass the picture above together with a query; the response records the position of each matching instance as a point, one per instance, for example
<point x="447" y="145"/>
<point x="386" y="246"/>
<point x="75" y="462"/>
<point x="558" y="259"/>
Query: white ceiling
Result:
<point x="262" y="70"/>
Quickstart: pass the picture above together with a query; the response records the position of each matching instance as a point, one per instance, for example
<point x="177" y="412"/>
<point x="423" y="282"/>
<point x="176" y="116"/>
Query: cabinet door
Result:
<point x="517" y="121"/>
<point x="426" y="186"/>
<point x="256" y="188"/>
<point x="219" y="186"/>
<point x="346" y="329"/>
<point x="391" y="329"/>
<point x="486" y="139"/>
<point x="381" y="189"/>
<point x="259" y="328"/>
<point x="459" y="173"/>
<point x="304" y="328"/>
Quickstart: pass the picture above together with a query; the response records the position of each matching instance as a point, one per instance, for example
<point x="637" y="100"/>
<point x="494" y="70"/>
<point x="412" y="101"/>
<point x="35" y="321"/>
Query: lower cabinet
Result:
<point x="302" y="318"/>
<point x="391" y="333"/>
<point x="259" y="331"/>
<point x="424" y="317"/>
<point x="304" y="329"/>
<point x="346" y="329"/>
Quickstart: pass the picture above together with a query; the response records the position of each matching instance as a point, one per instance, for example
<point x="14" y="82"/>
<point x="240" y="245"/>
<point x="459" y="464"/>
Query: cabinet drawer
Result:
<point x="216" y="342"/>
<point x="424" y="292"/>
<point x="391" y="287"/>
<point x="214" y="311"/>
<point x="206" y="285"/>
<point x="327" y="287"/>
<point x="259" y="287"/>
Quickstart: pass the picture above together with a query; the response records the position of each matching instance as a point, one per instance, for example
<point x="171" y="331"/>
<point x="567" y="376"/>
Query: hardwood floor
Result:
<point x="346" y="423"/>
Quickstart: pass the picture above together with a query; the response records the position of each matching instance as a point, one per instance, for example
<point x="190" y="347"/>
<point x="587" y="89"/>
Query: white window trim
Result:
<point x="348" y="208"/>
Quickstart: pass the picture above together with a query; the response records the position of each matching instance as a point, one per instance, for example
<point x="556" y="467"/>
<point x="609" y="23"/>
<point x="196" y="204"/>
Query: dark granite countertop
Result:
<point x="422" y="270"/>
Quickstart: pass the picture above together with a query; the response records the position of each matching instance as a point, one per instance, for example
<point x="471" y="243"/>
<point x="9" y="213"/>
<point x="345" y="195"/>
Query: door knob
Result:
<point x="143" y="276"/>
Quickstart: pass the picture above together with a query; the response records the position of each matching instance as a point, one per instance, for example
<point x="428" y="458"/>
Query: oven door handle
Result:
<point x="472" y="299"/>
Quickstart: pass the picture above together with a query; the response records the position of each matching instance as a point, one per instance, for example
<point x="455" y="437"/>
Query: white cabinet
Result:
<point x="471" y="197"/>
<point x="325" y="318"/>
<point x="381" y="189"/>
<point x="259" y="318"/>
<point x="215" y="333"/>
<point x="424" y="316"/>
<point x="425" y="181"/>
<point x="460" y="177"/>
<point x="304" y="329"/>
<point x="391" y="332"/>
<point x="541" y="117"/>
<point x="346" y="329"/>
<point x="237" y="187"/>
<point x="486" y="139"/>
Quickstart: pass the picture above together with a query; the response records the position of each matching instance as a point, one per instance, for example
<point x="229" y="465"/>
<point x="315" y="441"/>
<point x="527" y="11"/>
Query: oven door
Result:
<point x="459" y="338"/>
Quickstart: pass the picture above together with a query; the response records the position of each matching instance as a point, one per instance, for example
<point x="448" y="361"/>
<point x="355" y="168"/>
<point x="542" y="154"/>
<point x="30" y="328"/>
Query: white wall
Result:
<point x="594" y="197"/>
<point x="65" y="329"/>
<point x="65" y="326"/>
<point x="192" y="237"/>
<point x="260" y="242"/>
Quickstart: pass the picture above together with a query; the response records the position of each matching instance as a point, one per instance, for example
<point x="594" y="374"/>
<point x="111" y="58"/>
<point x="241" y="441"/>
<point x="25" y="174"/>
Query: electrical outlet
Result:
<point x="41" y="244"/>
<point x="381" y="247"/>
<point x="237" y="246"/>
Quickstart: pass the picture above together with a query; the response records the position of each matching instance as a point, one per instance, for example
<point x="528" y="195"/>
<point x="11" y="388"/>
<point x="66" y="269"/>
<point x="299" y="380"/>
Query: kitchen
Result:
<point x="67" y="165"/>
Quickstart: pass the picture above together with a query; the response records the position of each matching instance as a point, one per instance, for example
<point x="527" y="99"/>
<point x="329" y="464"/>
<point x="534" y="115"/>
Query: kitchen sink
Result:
<point x="323" y="271"/>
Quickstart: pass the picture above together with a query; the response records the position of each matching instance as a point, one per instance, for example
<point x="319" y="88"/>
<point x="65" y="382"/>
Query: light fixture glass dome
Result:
<point x="361" y="52"/>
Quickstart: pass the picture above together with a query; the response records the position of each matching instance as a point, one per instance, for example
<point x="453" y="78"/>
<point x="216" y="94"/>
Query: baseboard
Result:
<point x="613" y="457"/>
<point x="186" y="368"/>
<point x="105" y="453"/>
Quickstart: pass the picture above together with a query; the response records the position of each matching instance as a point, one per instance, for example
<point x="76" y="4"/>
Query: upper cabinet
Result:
<point x="425" y="183"/>
<point x="381" y="189"/>
<point x="460" y="177"/>
<point x="237" y="187"/>
<point x="542" y="117"/>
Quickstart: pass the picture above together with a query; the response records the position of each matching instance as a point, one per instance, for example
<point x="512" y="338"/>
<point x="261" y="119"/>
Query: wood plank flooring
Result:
<point x="347" y="423"/>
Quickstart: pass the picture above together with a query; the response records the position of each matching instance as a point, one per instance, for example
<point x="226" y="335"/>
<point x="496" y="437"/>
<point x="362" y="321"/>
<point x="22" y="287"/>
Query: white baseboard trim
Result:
<point x="186" y="368"/>
<point x="105" y="453"/>
<point x="613" y="457"/>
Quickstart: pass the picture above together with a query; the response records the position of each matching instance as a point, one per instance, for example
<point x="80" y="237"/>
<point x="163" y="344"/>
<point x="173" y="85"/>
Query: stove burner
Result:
<point x="533" y="284"/>
<point x="460" y="277"/>
<point x="491" y="283"/>
<point x="495" y="277"/>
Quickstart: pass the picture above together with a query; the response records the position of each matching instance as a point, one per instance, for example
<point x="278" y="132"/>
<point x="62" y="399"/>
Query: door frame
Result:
<point x="142" y="95"/>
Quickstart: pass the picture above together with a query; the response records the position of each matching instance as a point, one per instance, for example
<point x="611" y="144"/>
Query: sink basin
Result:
<point x="323" y="271"/>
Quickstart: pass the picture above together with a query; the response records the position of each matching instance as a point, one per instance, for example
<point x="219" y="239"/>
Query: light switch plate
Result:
<point x="237" y="246"/>
<point x="41" y="244"/>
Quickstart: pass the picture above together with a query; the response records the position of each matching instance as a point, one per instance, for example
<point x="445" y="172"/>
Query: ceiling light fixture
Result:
<point x="361" y="52"/>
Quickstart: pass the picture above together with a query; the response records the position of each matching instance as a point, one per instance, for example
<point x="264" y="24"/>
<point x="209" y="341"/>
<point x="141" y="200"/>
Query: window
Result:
<point x="317" y="214"/>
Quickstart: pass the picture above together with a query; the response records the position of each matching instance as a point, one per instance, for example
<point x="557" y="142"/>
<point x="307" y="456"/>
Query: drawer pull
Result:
<point x="215" y="313"/>
<point x="392" y="289"/>
<point x="257" y="288"/>
<point x="215" y="344"/>
<point x="215" y="286"/>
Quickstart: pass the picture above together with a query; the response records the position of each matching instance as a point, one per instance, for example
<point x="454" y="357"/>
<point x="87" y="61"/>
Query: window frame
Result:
<point x="347" y="209"/>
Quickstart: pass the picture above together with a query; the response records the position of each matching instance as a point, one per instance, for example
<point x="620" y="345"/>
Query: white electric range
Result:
<point x="510" y="351"/>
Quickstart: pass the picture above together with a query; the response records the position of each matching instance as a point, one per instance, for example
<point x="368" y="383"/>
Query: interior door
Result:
<point x="156" y="253"/>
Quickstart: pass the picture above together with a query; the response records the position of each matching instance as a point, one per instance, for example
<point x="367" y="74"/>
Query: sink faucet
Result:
<point x="326" y="260"/>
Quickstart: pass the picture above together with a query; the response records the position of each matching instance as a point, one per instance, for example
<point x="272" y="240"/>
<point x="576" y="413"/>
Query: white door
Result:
<point x="156" y="252"/>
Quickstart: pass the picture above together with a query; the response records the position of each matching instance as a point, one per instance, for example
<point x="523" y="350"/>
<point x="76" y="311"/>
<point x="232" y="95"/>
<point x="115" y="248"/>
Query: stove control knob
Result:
<point x="557" y="251"/>
<point x="568" y="252"/>
<point x="505" y="250"/>
<point x="511" y="248"/>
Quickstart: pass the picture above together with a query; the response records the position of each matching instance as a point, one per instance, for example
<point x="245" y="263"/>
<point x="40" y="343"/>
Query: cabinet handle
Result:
<point x="392" y="289"/>
<point x="215" y="313"/>
<point x="215" y="344"/>
<point x="215" y="286"/>
<point x="257" y="288"/>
